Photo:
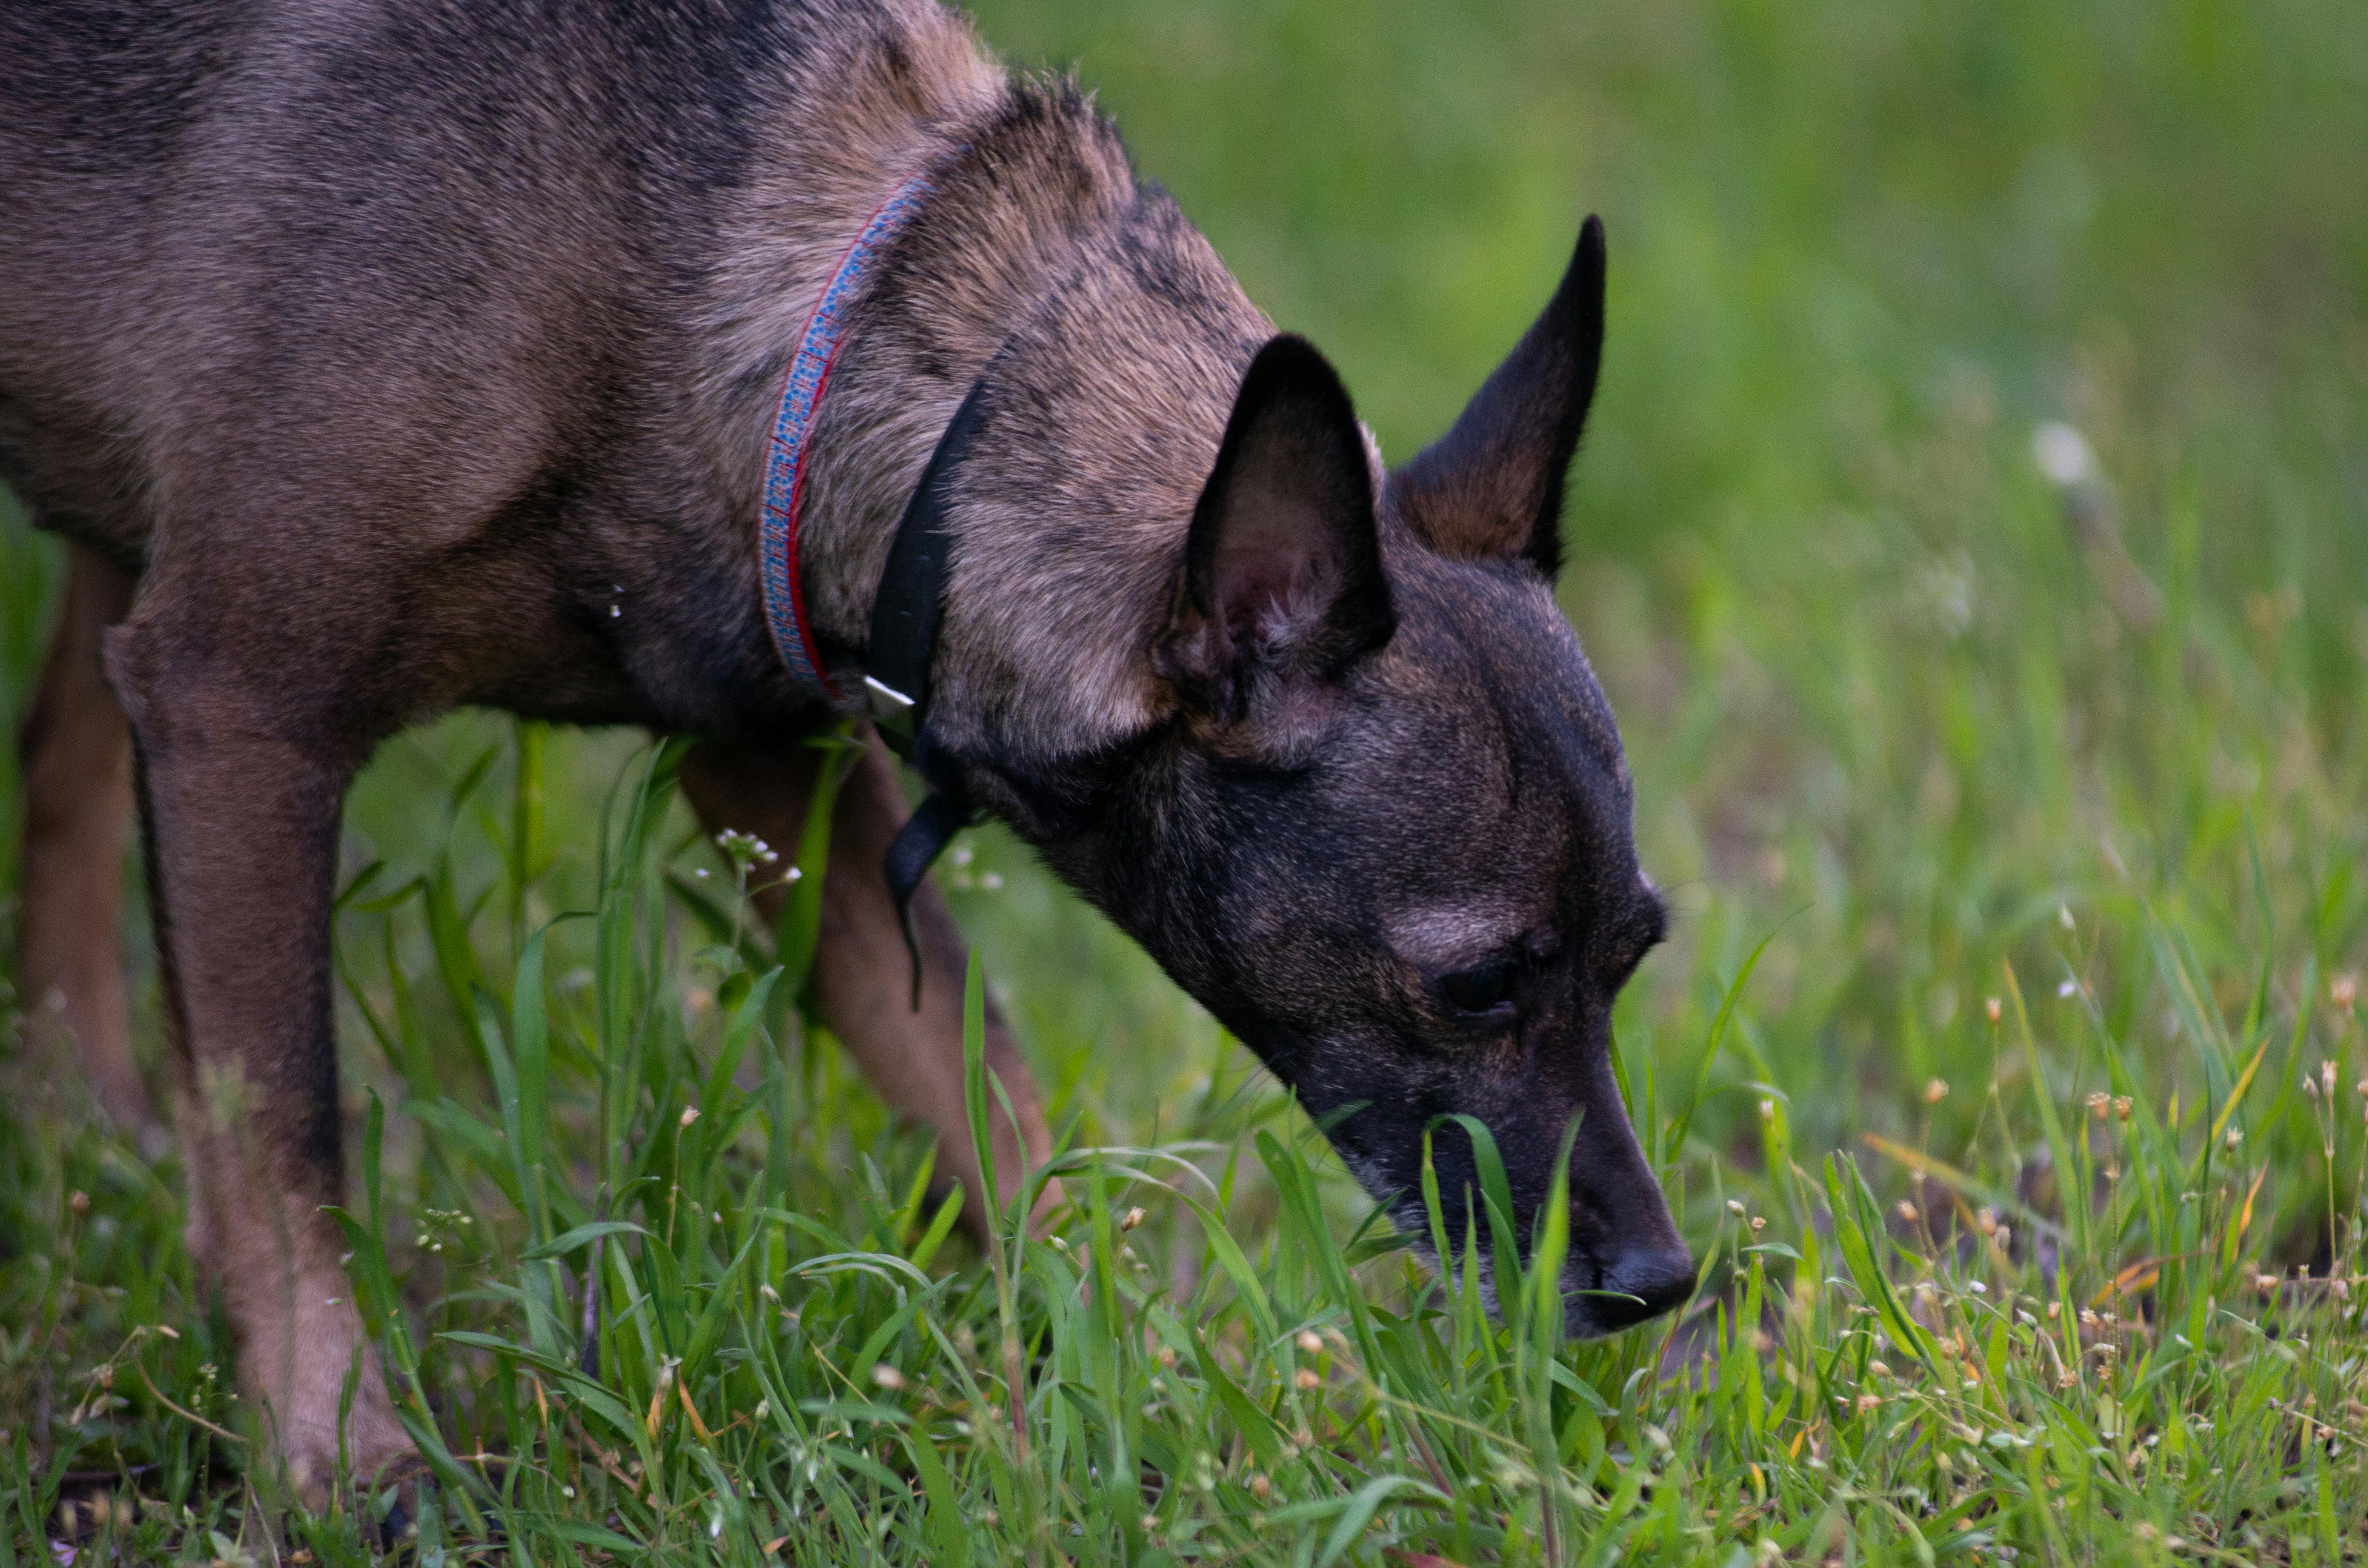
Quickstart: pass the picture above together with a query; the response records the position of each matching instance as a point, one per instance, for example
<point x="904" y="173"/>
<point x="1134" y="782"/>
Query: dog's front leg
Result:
<point x="242" y="772"/>
<point x="862" y="980"/>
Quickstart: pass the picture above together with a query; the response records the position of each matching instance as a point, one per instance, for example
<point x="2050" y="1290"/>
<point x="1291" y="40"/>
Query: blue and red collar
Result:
<point x="785" y="465"/>
<point x="904" y="629"/>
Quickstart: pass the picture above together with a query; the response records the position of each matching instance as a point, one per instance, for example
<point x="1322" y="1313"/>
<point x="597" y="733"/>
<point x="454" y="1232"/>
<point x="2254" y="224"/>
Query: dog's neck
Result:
<point x="1109" y="368"/>
<point x="1116" y="339"/>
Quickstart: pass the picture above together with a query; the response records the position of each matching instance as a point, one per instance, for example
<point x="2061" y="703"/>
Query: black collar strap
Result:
<point x="896" y="668"/>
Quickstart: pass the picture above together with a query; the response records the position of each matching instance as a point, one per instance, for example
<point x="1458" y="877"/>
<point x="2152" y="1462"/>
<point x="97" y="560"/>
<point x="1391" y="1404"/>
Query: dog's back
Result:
<point x="430" y="218"/>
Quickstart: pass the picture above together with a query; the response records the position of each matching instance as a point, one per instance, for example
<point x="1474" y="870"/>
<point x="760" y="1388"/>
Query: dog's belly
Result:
<point x="66" y="472"/>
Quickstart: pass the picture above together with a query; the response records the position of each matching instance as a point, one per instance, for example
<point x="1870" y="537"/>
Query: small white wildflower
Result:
<point x="2062" y="454"/>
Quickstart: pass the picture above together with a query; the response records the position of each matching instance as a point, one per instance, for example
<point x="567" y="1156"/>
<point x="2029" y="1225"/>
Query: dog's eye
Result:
<point x="1481" y="990"/>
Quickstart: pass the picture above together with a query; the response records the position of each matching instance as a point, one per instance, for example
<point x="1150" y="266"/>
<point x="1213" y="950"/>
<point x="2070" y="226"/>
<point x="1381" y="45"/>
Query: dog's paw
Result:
<point x="390" y="1503"/>
<point x="323" y="1469"/>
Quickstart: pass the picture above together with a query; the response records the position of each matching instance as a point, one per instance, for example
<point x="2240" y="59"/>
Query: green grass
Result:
<point x="2038" y="792"/>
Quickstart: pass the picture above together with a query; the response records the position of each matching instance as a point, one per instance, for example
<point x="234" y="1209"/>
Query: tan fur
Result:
<point x="1070" y="522"/>
<point x="76" y="753"/>
<point x="863" y="970"/>
<point x="256" y="1224"/>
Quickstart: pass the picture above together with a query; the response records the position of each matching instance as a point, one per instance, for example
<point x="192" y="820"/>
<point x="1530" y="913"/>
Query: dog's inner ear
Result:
<point x="1281" y="588"/>
<point x="1493" y="484"/>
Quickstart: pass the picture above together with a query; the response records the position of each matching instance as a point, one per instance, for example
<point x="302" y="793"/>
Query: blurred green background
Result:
<point x="1890" y="692"/>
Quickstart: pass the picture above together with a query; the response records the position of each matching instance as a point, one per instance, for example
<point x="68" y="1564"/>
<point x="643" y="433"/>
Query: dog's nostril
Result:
<point x="1661" y="1278"/>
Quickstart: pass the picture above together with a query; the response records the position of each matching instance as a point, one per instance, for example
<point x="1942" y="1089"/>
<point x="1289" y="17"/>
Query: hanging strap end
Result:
<point x="915" y="849"/>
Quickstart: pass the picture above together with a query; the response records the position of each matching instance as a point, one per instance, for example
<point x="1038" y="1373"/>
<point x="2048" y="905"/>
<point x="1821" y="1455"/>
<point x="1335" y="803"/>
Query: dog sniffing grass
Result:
<point x="1883" y="703"/>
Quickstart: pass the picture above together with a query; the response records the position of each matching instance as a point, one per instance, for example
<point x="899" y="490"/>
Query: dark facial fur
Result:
<point x="1384" y="832"/>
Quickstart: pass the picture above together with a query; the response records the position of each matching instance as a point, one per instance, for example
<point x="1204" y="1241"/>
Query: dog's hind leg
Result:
<point x="75" y="754"/>
<point x="862" y="980"/>
<point x="245" y="742"/>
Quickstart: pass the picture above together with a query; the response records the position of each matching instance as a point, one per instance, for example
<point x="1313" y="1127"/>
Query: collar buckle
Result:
<point x="891" y="713"/>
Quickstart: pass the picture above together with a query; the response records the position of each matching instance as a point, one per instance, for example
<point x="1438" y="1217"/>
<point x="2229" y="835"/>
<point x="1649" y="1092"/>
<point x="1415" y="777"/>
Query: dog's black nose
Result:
<point x="1660" y="1279"/>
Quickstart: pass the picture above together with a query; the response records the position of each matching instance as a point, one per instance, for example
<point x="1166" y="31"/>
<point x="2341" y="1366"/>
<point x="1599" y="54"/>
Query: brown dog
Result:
<point x="410" y="354"/>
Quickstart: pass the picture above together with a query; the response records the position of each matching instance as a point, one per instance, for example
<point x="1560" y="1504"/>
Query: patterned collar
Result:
<point x="903" y="631"/>
<point x="785" y="466"/>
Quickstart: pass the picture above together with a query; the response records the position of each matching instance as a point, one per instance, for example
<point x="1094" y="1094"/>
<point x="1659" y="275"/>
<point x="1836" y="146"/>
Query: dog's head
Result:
<point x="1385" y="834"/>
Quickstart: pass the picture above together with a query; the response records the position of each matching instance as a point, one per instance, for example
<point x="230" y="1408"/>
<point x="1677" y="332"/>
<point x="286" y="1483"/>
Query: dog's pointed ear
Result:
<point x="1281" y="578"/>
<point x="1493" y="485"/>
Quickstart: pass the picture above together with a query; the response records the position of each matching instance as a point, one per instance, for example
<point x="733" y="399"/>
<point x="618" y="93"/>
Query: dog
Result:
<point x="384" y="357"/>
